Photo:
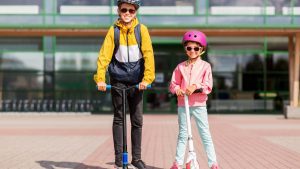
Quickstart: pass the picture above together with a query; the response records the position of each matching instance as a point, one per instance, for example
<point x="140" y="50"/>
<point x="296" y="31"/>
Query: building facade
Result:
<point x="49" y="48"/>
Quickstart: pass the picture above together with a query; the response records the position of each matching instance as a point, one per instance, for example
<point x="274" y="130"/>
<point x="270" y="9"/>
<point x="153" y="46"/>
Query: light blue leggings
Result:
<point x="200" y="115"/>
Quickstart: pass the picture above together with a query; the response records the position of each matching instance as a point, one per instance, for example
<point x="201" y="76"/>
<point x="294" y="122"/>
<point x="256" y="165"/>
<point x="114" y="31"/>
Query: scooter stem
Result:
<point x="188" y="122"/>
<point x="125" y="153"/>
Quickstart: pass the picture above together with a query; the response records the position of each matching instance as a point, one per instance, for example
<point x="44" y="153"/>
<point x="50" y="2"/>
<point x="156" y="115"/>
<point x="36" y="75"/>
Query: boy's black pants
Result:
<point x="134" y="98"/>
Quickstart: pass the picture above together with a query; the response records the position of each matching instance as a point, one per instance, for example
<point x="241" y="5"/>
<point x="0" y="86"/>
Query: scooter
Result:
<point x="191" y="161"/>
<point x="125" y="153"/>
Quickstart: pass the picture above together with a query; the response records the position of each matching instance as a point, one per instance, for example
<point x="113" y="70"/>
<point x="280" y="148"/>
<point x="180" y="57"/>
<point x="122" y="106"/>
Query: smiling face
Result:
<point x="193" y="50"/>
<point x="127" y="12"/>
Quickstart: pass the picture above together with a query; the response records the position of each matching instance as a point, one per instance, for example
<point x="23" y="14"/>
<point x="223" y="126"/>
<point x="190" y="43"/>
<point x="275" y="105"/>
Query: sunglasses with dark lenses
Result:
<point x="196" y="49"/>
<point x="124" y="10"/>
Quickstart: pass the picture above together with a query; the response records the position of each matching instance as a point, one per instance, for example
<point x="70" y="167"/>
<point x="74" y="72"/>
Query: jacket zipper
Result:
<point x="190" y="74"/>
<point x="127" y="45"/>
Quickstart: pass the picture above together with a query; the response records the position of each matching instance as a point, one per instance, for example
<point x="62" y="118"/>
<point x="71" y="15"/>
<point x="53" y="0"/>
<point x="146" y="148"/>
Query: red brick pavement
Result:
<point x="85" y="141"/>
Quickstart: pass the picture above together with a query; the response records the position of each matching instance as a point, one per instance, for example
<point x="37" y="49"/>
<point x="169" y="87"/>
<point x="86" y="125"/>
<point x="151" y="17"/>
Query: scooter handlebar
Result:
<point x="108" y="87"/>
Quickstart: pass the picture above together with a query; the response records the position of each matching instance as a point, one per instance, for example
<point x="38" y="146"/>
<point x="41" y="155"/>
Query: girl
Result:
<point x="187" y="77"/>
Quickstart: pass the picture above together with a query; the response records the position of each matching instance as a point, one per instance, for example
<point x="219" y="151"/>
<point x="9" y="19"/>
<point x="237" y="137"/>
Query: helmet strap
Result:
<point x="202" y="53"/>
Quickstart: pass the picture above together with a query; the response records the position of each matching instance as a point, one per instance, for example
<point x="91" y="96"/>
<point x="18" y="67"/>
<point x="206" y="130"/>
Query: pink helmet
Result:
<point x="195" y="36"/>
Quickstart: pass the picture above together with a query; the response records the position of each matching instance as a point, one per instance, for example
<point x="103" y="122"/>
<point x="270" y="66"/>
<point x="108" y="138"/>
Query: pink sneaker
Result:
<point x="215" y="166"/>
<point x="175" y="166"/>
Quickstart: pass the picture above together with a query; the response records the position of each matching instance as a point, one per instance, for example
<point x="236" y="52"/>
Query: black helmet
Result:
<point x="136" y="3"/>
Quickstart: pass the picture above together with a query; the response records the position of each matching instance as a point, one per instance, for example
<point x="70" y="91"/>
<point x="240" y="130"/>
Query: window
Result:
<point x="20" y="6"/>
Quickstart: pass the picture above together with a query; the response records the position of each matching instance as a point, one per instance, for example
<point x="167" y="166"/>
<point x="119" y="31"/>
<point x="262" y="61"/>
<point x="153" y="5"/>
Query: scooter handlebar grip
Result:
<point x="148" y="86"/>
<point x="108" y="87"/>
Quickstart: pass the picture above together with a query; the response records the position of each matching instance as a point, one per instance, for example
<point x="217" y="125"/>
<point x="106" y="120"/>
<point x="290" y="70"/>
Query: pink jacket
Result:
<point x="198" y="73"/>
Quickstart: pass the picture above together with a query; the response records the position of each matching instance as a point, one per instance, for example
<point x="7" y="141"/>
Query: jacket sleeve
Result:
<point x="149" y="73"/>
<point x="175" y="80"/>
<point x="104" y="56"/>
<point x="207" y="83"/>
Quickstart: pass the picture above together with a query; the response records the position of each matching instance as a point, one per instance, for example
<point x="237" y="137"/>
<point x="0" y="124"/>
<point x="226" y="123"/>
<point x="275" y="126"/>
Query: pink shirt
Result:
<point x="198" y="73"/>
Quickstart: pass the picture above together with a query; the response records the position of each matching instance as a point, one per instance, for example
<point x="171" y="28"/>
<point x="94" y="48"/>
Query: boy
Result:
<point x="138" y="62"/>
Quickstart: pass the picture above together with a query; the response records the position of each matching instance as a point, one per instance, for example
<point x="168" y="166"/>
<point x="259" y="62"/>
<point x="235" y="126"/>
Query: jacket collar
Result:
<point x="197" y="61"/>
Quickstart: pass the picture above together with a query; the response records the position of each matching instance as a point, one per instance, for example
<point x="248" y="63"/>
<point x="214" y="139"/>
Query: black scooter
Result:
<point x="125" y="153"/>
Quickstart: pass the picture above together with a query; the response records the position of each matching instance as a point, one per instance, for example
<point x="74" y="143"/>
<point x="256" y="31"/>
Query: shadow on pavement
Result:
<point x="63" y="164"/>
<point x="148" y="166"/>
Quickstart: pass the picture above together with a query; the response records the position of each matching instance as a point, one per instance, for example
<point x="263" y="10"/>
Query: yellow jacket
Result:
<point x="106" y="51"/>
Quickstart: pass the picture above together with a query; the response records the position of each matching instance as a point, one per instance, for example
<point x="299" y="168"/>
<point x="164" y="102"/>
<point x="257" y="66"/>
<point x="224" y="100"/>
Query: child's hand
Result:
<point x="179" y="92"/>
<point x="190" y="89"/>
<point x="143" y="85"/>
<point x="101" y="86"/>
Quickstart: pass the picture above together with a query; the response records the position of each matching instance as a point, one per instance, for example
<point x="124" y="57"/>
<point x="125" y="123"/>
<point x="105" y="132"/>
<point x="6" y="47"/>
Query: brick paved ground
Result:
<point x="85" y="141"/>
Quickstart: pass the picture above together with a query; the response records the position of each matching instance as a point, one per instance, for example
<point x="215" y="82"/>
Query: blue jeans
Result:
<point x="200" y="115"/>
